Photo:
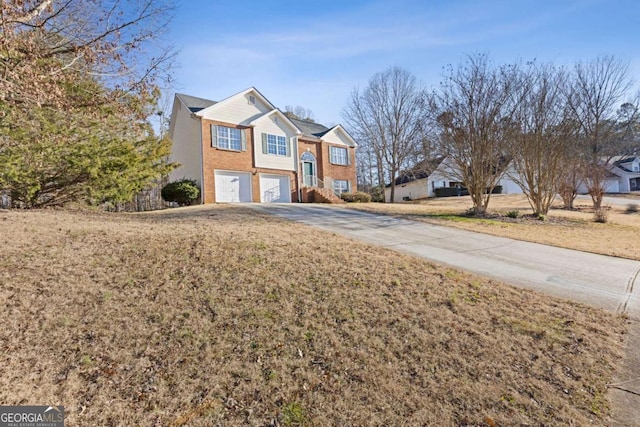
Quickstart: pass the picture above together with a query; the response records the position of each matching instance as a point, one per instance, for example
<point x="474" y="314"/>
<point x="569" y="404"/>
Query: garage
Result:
<point x="233" y="186"/>
<point x="275" y="189"/>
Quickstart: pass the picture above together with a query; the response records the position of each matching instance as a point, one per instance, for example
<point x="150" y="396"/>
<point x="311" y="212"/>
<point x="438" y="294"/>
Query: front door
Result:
<point x="309" y="174"/>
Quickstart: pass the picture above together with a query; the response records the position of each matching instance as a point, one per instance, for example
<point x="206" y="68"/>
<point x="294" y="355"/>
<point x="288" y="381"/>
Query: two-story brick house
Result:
<point x="243" y="149"/>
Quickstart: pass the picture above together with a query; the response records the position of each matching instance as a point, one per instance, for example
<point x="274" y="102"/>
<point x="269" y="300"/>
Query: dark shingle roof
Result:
<point x="194" y="103"/>
<point x="421" y="170"/>
<point x="310" y="128"/>
<point x="622" y="164"/>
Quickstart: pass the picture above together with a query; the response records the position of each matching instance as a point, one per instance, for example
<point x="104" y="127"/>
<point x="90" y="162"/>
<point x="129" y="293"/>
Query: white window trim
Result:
<point x="340" y="190"/>
<point x="217" y="138"/>
<point x="278" y="138"/>
<point x="277" y="143"/>
<point x="339" y="159"/>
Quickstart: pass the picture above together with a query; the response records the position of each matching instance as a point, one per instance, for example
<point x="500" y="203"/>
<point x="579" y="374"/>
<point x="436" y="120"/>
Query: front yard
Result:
<point x="217" y="315"/>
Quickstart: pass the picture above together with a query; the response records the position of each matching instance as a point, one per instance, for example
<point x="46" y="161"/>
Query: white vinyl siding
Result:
<point x="263" y="159"/>
<point x="340" y="186"/>
<point x="237" y="109"/>
<point x="186" y="149"/>
<point x="418" y="189"/>
<point x="338" y="156"/>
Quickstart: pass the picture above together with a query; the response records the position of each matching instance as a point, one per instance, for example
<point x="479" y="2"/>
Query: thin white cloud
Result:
<point x="315" y="61"/>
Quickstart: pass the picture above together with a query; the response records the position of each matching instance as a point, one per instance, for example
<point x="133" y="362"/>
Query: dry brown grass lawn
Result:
<point x="221" y="316"/>
<point x="568" y="229"/>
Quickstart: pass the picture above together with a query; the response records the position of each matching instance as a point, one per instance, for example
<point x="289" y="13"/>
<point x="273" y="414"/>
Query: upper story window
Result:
<point x="338" y="156"/>
<point x="227" y="138"/>
<point x="275" y="145"/>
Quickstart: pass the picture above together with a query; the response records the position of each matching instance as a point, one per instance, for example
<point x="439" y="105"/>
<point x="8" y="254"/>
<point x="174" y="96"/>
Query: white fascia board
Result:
<point x="339" y="128"/>
<point x="278" y="113"/>
<point x="222" y="104"/>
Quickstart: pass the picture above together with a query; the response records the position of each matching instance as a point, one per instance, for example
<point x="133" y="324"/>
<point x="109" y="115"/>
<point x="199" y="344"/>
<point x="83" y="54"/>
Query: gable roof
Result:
<point x="338" y="129"/>
<point x="220" y="104"/>
<point x="280" y="114"/>
<point x="307" y="128"/>
<point x="624" y="163"/>
<point x="420" y="170"/>
<point x="194" y="103"/>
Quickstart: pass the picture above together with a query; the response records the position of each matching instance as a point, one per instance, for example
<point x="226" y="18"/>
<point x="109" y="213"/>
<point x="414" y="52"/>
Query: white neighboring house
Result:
<point x="623" y="176"/>
<point x="445" y="176"/>
<point x="611" y="185"/>
<point x="628" y="170"/>
<point x="408" y="190"/>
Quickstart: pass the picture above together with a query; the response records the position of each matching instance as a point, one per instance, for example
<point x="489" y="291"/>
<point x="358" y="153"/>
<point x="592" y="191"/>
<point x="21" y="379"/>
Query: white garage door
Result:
<point x="274" y="189"/>
<point x="233" y="186"/>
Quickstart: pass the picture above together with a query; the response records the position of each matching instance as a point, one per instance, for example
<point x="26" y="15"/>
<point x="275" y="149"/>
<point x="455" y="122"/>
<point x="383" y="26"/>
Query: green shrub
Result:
<point x="183" y="192"/>
<point x="377" y="194"/>
<point x="513" y="214"/>
<point x="357" y="197"/>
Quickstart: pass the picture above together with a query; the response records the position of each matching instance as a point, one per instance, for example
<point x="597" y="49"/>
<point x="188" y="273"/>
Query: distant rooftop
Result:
<point x="310" y="128"/>
<point x="624" y="163"/>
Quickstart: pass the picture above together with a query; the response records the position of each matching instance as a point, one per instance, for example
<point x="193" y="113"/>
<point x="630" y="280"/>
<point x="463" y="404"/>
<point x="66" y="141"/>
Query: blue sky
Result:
<point x="314" y="53"/>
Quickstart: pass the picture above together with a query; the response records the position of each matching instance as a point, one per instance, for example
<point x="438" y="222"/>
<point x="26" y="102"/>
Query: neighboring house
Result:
<point x="623" y="176"/>
<point x="243" y="149"/>
<point x="412" y="184"/>
<point x="628" y="171"/>
<point x="408" y="188"/>
<point x="445" y="176"/>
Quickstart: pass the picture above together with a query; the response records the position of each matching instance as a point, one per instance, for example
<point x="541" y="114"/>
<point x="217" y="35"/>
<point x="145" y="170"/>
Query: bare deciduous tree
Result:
<point x="597" y="90"/>
<point x="46" y="42"/>
<point x="571" y="179"/>
<point x="299" y="112"/>
<point x="540" y="148"/>
<point x="474" y="113"/>
<point x="389" y="118"/>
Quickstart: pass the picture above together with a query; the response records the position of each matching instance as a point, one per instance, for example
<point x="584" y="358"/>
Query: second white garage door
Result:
<point x="274" y="189"/>
<point x="233" y="186"/>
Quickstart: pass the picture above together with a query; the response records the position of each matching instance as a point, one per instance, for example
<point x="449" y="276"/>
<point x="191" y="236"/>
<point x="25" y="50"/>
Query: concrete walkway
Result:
<point x="600" y="281"/>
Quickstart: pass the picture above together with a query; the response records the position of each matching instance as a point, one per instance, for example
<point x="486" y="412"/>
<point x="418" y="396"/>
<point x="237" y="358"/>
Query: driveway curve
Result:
<point x="597" y="280"/>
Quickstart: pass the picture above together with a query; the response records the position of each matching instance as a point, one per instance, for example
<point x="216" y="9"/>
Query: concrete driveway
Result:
<point x="597" y="280"/>
<point x="609" y="200"/>
<point x="600" y="281"/>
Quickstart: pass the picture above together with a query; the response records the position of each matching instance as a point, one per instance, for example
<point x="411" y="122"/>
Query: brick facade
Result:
<point x="257" y="119"/>
<point x="230" y="160"/>
<point x="342" y="172"/>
